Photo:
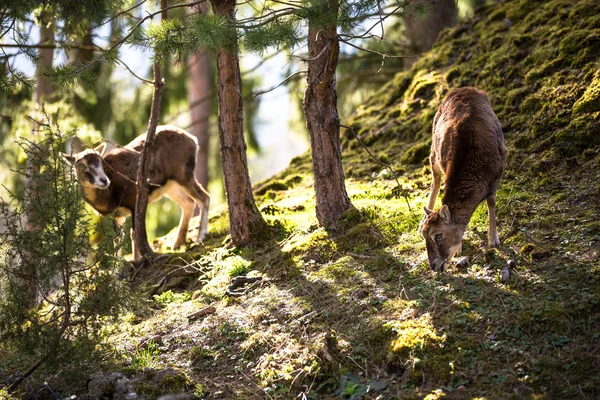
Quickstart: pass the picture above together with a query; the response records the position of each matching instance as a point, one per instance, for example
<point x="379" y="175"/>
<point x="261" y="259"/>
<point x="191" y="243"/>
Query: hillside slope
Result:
<point x="357" y="313"/>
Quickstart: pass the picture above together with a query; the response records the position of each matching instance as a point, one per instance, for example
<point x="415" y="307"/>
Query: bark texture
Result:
<point x="199" y="95"/>
<point x="421" y="31"/>
<point x="322" y="120"/>
<point x="141" y="245"/>
<point x="245" y="221"/>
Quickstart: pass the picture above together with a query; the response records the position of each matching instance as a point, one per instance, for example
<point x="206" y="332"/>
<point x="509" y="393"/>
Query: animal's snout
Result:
<point x="438" y="265"/>
<point x="104" y="180"/>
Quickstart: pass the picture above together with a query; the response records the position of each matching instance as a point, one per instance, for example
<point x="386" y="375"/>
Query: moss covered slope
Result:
<point x="357" y="313"/>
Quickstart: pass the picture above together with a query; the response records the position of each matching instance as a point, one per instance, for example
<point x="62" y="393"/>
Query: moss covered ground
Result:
<point x="356" y="313"/>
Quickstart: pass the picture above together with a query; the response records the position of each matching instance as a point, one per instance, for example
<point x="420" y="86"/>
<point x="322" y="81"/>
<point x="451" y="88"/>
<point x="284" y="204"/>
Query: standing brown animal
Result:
<point x="108" y="180"/>
<point x="468" y="147"/>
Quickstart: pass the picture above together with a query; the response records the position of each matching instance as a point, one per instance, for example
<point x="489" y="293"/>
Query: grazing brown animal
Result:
<point x="108" y="180"/>
<point x="468" y="147"/>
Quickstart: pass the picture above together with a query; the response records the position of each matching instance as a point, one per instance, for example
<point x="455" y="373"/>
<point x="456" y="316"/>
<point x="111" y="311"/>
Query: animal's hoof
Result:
<point x="494" y="242"/>
<point x="202" y="236"/>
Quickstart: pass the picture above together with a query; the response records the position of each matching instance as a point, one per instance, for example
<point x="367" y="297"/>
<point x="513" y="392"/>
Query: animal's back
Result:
<point x="468" y="145"/>
<point x="122" y="163"/>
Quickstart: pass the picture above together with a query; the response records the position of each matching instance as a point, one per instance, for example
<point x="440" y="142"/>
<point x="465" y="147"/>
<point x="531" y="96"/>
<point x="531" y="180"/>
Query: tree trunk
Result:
<point x="140" y="241"/>
<point x="44" y="87"/>
<point x="421" y="31"/>
<point x="43" y="91"/>
<point x="200" y="86"/>
<point x="320" y="108"/>
<point x="245" y="221"/>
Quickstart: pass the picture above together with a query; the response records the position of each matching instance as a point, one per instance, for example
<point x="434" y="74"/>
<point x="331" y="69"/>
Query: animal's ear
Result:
<point x="445" y="214"/>
<point x="68" y="158"/>
<point x="427" y="210"/>
<point x="100" y="149"/>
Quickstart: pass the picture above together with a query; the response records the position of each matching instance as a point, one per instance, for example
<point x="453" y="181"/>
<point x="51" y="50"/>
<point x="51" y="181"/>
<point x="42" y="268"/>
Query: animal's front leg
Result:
<point x="435" y="184"/>
<point x="134" y="250"/>
<point x="493" y="240"/>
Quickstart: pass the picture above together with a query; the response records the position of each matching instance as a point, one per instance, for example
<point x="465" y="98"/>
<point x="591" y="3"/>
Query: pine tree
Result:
<point x="320" y="107"/>
<point x="199" y="89"/>
<point x="245" y="221"/>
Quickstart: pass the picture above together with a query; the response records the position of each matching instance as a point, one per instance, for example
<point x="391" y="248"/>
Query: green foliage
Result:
<point x="70" y="10"/>
<point x="57" y="290"/>
<point x="282" y="34"/>
<point x="168" y="297"/>
<point x="182" y="37"/>
<point x="145" y="357"/>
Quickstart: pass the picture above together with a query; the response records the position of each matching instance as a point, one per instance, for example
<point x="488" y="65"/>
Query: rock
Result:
<point x="463" y="262"/>
<point x="360" y="293"/>
<point x="110" y="386"/>
<point x="504" y="274"/>
<point x="184" y="396"/>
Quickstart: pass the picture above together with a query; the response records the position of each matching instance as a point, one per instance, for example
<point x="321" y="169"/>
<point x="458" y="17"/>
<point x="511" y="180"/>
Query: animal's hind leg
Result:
<point x="436" y="173"/>
<point x="180" y="196"/>
<point x="202" y="198"/>
<point x="493" y="240"/>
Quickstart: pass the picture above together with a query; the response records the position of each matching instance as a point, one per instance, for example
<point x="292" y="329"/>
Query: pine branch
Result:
<point x="384" y="55"/>
<point x="289" y="77"/>
<point x="51" y="46"/>
<point x="120" y="13"/>
<point x="132" y="30"/>
<point x="146" y="81"/>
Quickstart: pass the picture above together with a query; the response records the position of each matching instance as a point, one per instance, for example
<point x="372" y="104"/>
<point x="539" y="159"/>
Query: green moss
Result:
<point x="168" y="381"/>
<point x="274" y="186"/>
<point x="416" y="154"/>
<point x="590" y="101"/>
<point x="413" y="336"/>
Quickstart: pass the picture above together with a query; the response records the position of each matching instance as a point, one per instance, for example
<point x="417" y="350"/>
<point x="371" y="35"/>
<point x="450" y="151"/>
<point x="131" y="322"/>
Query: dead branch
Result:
<point x="240" y="281"/>
<point x="203" y="312"/>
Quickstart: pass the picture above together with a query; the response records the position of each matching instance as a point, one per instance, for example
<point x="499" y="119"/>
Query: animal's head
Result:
<point x="88" y="165"/>
<point x="442" y="237"/>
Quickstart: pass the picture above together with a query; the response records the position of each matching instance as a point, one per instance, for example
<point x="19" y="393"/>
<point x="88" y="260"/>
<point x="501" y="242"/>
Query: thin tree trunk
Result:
<point x="320" y="108"/>
<point x="44" y="87"/>
<point x="43" y="91"/>
<point x="421" y="32"/>
<point x="200" y="85"/>
<point x="245" y="221"/>
<point x="141" y="202"/>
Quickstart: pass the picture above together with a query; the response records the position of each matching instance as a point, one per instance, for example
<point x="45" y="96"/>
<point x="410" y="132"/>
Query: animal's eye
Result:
<point x="438" y="238"/>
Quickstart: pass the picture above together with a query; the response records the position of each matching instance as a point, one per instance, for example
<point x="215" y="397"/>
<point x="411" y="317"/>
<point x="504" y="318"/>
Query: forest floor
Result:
<point x="356" y="312"/>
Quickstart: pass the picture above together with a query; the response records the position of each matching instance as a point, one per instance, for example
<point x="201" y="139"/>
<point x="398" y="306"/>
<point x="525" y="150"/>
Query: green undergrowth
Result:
<point x="356" y="312"/>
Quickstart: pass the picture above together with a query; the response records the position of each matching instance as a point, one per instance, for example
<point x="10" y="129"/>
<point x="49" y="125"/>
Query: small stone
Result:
<point x="504" y="274"/>
<point x="512" y="264"/>
<point x="361" y="293"/>
<point x="463" y="262"/>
